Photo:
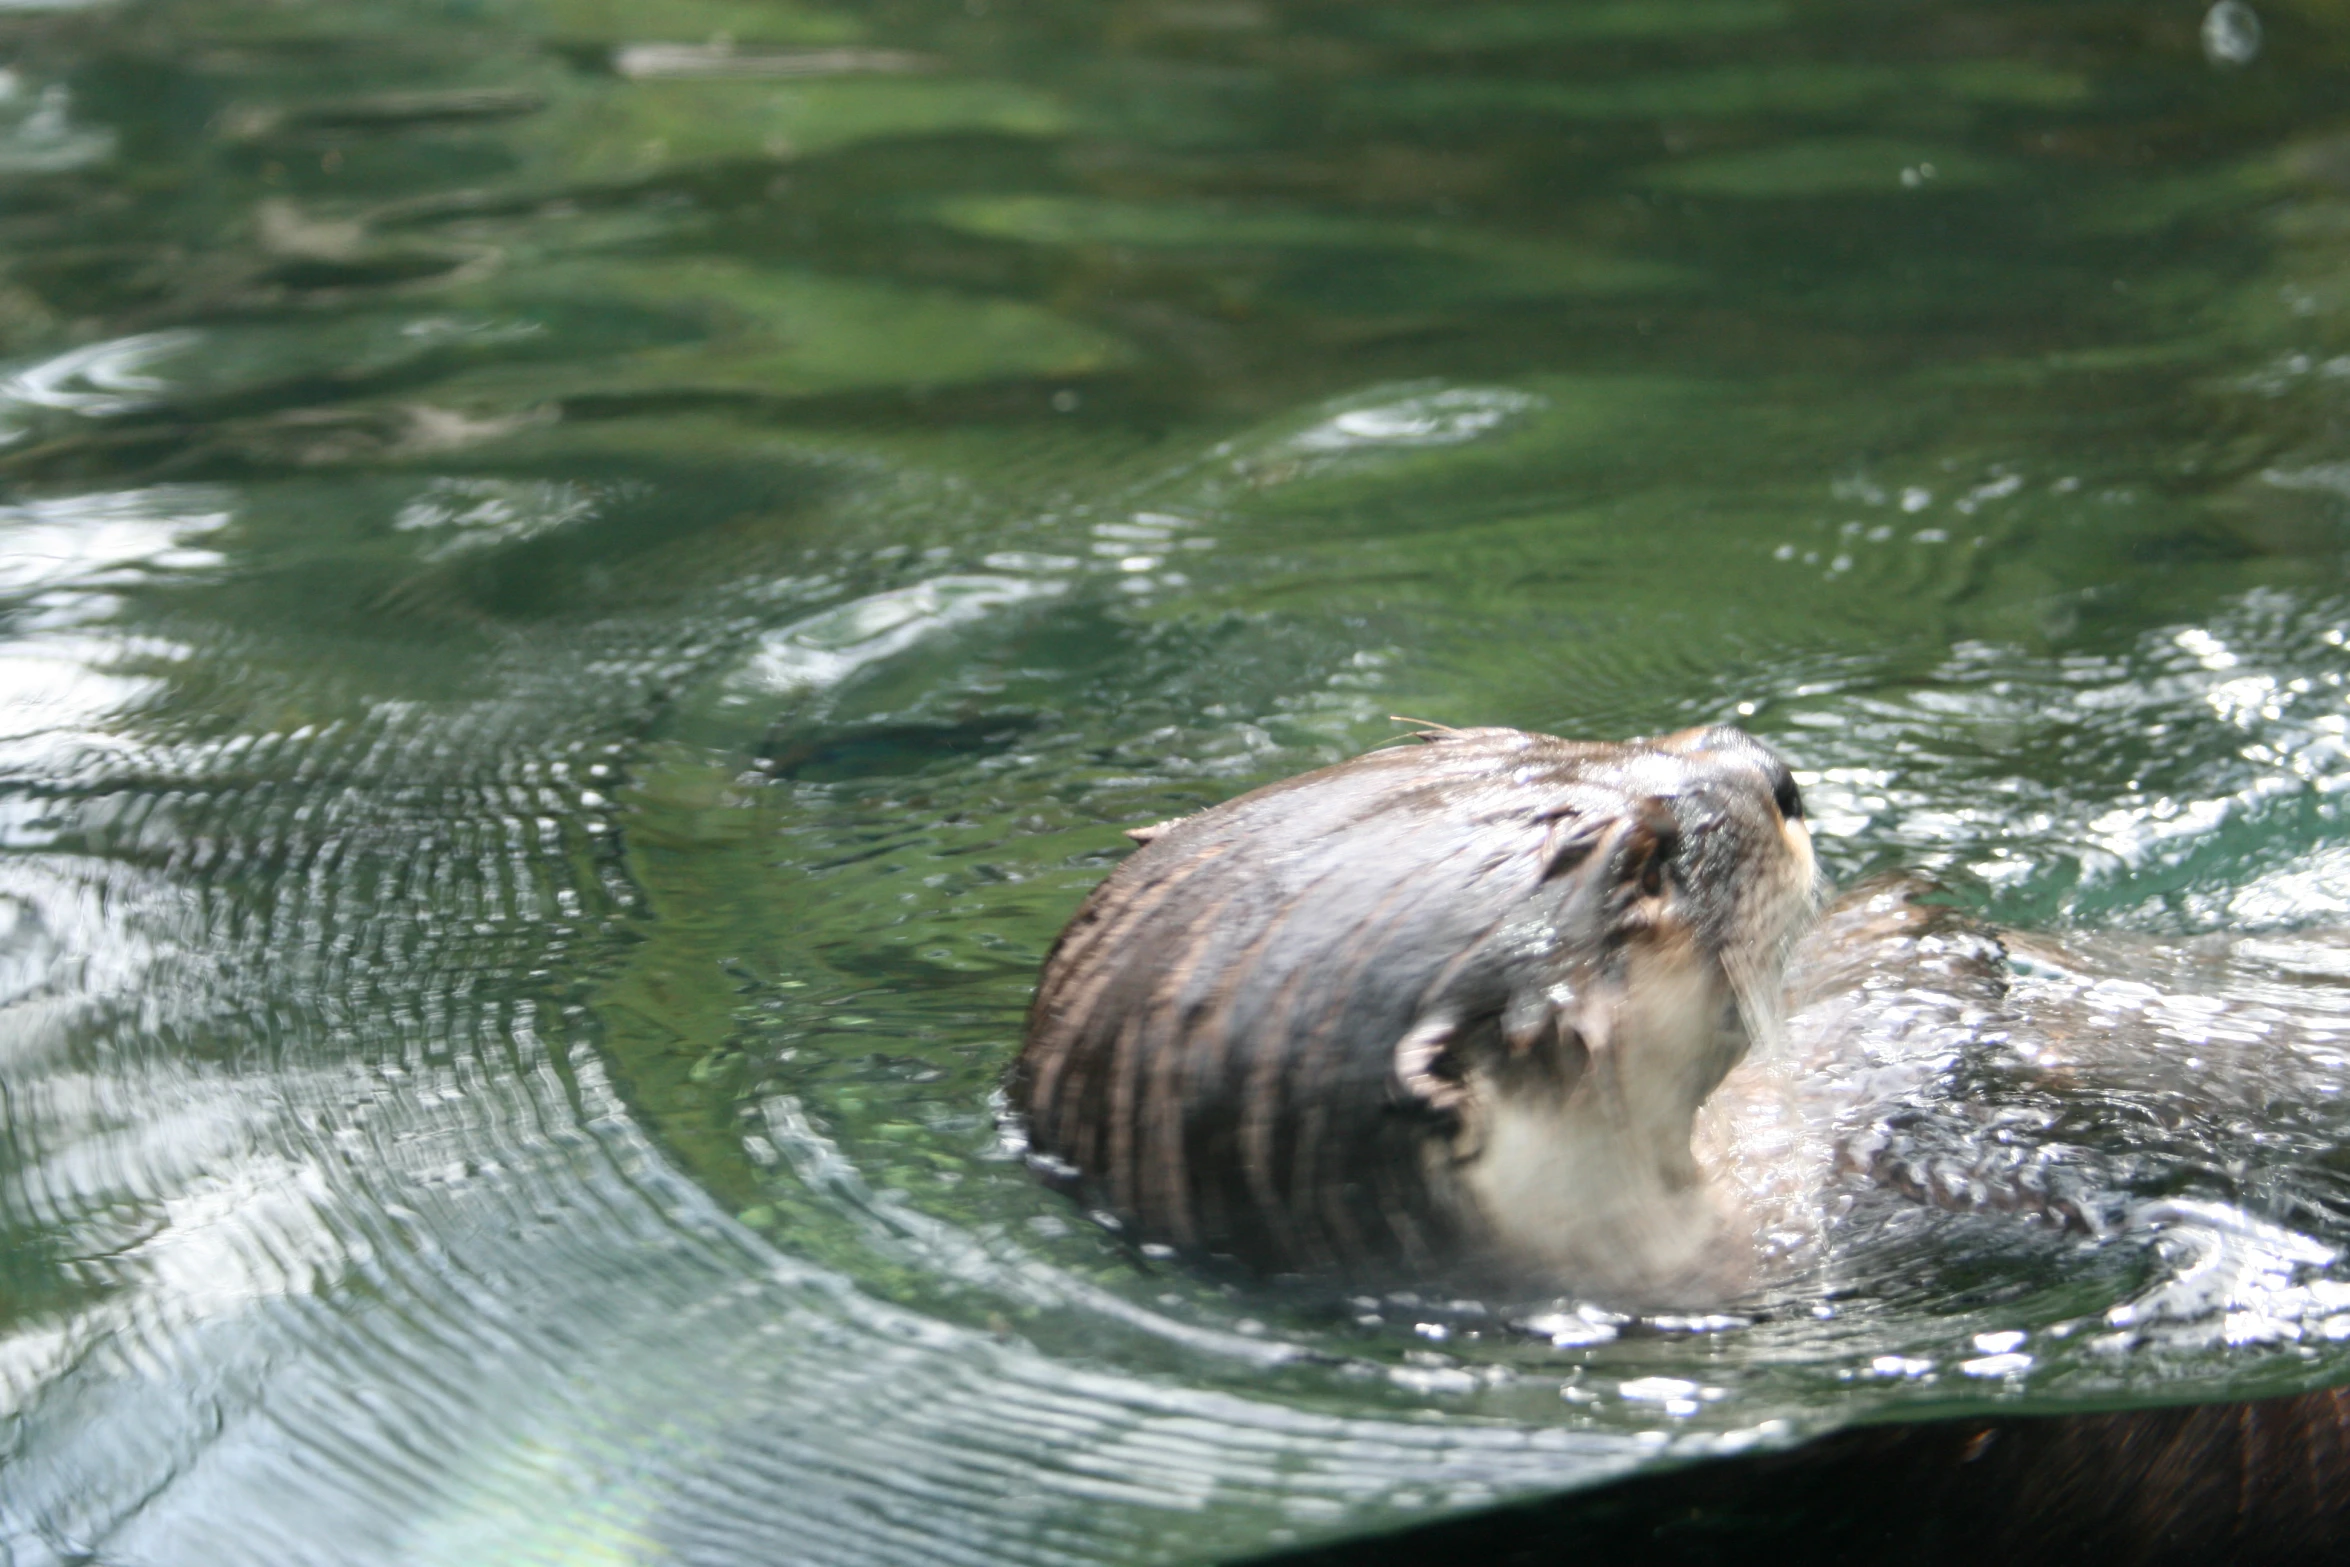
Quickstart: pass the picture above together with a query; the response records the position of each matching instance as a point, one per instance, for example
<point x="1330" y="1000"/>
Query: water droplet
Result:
<point x="2231" y="33"/>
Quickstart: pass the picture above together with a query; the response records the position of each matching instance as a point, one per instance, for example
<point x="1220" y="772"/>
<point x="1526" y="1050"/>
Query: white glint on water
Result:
<point x="459" y="516"/>
<point x="101" y="379"/>
<point x="1445" y="418"/>
<point x="2230" y="1276"/>
<point x="826" y="649"/>
<point x="2231" y="33"/>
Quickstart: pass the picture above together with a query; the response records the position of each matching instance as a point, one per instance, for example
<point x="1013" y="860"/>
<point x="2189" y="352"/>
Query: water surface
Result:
<point x="585" y="584"/>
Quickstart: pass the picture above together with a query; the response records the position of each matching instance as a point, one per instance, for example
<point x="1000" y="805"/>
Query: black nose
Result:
<point x="1784" y="794"/>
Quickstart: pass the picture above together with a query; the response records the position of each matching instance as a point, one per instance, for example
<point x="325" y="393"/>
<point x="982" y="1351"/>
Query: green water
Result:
<point x="585" y="584"/>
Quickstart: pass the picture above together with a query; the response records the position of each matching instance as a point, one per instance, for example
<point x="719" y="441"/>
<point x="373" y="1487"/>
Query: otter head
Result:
<point x="1441" y="1010"/>
<point x="1642" y="967"/>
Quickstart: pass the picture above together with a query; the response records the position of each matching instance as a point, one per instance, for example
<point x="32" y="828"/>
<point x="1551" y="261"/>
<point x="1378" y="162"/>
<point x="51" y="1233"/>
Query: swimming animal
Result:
<point x="1479" y="1011"/>
<point x="1449" y="1009"/>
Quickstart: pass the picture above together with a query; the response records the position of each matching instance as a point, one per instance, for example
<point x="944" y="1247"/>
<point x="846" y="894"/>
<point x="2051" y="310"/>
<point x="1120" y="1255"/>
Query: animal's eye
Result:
<point x="1787" y="797"/>
<point x="1652" y="876"/>
<point x="1656" y="839"/>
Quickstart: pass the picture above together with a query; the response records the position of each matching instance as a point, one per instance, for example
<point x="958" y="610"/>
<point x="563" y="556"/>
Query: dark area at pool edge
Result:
<point x="2257" y="1481"/>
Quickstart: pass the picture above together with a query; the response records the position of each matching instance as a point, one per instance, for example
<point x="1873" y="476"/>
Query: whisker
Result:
<point x="1754" y="983"/>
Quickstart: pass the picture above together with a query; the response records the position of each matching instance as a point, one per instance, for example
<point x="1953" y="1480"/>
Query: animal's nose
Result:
<point x="1784" y="794"/>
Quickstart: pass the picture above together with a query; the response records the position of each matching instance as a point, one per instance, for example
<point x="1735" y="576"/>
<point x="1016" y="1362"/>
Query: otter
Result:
<point x="1446" y="1010"/>
<point x="1479" y="1010"/>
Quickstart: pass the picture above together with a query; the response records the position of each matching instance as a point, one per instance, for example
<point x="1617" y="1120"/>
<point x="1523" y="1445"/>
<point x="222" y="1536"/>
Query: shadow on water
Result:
<point x="584" y="586"/>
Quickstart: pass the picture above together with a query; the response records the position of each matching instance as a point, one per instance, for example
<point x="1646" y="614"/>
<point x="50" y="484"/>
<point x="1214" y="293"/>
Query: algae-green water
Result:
<point x="584" y="584"/>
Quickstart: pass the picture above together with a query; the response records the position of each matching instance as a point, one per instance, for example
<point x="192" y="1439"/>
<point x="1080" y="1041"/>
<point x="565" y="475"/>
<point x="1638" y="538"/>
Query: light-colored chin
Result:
<point x="1583" y="1209"/>
<point x="1596" y="1191"/>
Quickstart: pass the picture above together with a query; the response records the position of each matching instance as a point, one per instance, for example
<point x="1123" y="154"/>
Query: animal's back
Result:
<point x="1208" y="1042"/>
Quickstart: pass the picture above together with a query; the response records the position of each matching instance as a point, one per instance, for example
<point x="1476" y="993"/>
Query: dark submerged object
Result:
<point x="2257" y="1481"/>
<point x="1444" y="1009"/>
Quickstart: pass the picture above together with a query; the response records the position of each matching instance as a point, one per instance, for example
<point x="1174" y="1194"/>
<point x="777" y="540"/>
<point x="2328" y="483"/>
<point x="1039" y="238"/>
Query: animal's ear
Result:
<point x="1153" y="832"/>
<point x="1431" y="1076"/>
<point x="1435" y="1081"/>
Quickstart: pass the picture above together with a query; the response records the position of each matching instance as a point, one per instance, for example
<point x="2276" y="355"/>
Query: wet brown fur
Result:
<point x="1211" y="1053"/>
